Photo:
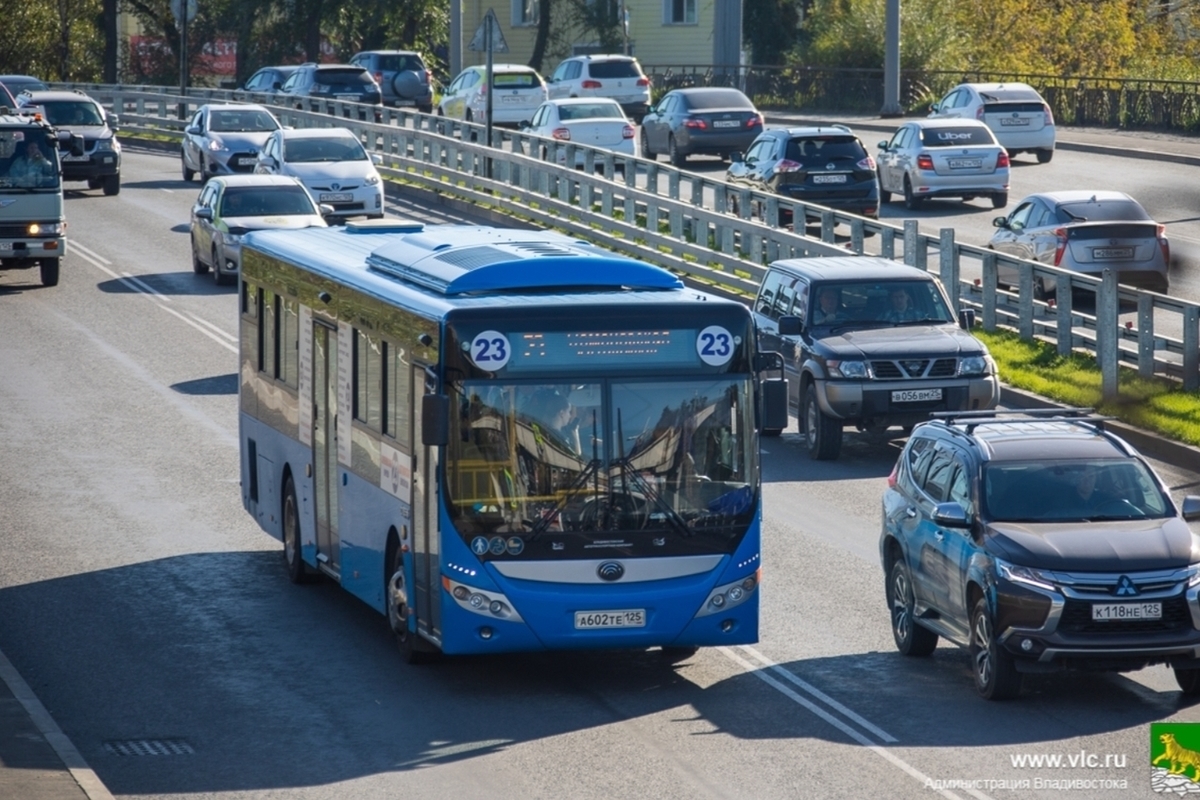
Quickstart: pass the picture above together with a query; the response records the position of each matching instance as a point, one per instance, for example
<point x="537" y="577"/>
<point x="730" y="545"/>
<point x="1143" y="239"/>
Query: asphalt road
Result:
<point x="148" y="612"/>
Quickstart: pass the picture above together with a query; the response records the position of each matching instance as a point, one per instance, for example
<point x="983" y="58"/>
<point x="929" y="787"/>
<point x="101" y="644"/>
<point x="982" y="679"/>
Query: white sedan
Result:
<point x="331" y="163"/>
<point x="591" y="121"/>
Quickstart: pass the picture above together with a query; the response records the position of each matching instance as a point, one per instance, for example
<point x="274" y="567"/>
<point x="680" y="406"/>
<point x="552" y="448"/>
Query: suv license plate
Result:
<point x="829" y="178"/>
<point x="347" y="96"/>
<point x="1114" y="612"/>
<point x="916" y="395"/>
<point x="594" y="620"/>
<point x="966" y="163"/>
<point x="70" y="157"/>
<point x="1112" y="252"/>
<point x="338" y="197"/>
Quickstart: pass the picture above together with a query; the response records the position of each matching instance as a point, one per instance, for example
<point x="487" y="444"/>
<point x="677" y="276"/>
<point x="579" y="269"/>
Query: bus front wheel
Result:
<point x="413" y="649"/>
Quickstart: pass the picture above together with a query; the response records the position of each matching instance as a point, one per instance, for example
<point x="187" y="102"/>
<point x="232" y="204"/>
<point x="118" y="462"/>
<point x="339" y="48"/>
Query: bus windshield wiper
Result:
<point x="641" y="484"/>
<point x="590" y="472"/>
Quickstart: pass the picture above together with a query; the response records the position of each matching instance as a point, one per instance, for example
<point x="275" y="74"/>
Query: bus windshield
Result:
<point x="668" y="465"/>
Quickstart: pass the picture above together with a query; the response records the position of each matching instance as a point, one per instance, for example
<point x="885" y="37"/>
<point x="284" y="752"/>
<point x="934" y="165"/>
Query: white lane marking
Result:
<point x="142" y="289"/>
<point x="71" y="757"/>
<point x="164" y="189"/>
<point x="844" y="727"/>
<point x="791" y="677"/>
<point x="219" y="331"/>
<point x="74" y="245"/>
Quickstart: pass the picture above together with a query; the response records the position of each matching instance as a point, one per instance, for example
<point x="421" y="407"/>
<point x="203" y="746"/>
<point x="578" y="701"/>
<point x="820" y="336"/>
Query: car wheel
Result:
<point x="49" y="270"/>
<point x="911" y="638"/>
<point x="1188" y="680"/>
<point x="1044" y="156"/>
<point x="996" y="676"/>
<point x="95" y="183"/>
<point x="220" y="278"/>
<point x="646" y="151"/>
<point x="999" y="199"/>
<point x="293" y="561"/>
<point x="884" y="195"/>
<point x="678" y="159"/>
<point x="911" y="201"/>
<point x="198" y="266"/>
<point x="112" y="184"/>
<point x="822" y="433"/>
<point x="188" y="174"/>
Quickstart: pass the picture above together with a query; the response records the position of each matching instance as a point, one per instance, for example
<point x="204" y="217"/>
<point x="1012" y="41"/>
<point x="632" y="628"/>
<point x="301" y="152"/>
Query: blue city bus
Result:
<point x="503" y="440"/>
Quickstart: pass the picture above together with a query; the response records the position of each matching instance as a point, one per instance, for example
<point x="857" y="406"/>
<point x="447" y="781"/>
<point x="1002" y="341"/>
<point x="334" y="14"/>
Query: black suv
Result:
<point x="334" y="82"/>
<point x="870" y="343"/>
<point x="826" y="166"/>
<point x="73" y="112"/>
<point x="1040" y="542"/>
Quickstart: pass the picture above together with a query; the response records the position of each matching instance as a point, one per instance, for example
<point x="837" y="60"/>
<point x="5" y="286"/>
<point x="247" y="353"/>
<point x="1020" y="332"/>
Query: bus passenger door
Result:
<point x="426" y="548"/>
<point x="324" y="439"/>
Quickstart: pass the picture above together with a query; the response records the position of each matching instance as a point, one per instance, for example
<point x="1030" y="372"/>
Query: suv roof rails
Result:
<point x="972" y="419"/>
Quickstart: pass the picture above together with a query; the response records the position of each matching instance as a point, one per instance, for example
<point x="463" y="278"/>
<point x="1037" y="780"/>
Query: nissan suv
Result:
<point x="402" y="77"/>
<point x="870" y="343"/>
<point x="616" y="77"/>
<point x="73" y="112"/>
<point x="1040" y="542"/>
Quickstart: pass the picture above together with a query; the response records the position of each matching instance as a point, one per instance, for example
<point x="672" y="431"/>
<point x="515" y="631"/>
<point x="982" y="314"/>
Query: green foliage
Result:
<point x="58" y="41"/>
<point x="770" y="28"/>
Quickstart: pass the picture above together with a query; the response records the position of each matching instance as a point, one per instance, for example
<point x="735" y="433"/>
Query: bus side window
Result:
<point x="398" y="394"/>
<point x="289" y="343"/>
<point x="268" y="350"/>
<point x="368" y="393"/>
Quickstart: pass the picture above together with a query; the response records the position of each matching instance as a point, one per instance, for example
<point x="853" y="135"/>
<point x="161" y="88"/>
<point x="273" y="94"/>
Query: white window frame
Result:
<point x="524" y="13"/>
<point x="690" y="12"/>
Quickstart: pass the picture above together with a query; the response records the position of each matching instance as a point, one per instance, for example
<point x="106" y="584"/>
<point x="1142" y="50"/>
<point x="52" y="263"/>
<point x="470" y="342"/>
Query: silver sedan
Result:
<point x="943" y="158"/>
<point x="224" y="139"/>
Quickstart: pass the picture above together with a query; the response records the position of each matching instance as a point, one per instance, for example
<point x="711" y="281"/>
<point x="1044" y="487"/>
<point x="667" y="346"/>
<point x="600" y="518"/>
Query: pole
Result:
<point x="491" y="89"/>
<point x="183" y="75"/>
<point x="456" y="45"/>
<point x="891" y="61"/>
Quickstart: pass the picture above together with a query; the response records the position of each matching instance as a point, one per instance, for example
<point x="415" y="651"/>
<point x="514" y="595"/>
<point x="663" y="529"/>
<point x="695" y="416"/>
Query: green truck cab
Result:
<point x="32" y="223"/>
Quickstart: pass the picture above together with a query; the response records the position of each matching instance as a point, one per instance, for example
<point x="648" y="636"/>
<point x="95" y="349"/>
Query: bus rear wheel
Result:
<point x="293" y="560"/>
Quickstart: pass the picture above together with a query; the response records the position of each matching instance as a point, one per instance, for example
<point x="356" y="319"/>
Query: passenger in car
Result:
<point x="901" y="308"/>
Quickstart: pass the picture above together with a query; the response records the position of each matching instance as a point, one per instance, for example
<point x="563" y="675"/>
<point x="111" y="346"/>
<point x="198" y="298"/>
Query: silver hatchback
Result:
<point x="943" y="158"/>
<point x="1087" y="232"/>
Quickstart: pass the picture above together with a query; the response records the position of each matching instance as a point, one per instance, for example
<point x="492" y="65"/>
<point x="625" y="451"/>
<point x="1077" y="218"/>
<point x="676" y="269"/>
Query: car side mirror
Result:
<point x="789" y="325"/>
<point x="76" y="145"/>
<point x="114" y="122"/>
<point x="192" y="130"/>
<point x="1000" y="222"/>
<point x="326" y="209"/>
<point x="267" y="161"/>
<point x="736" y="157"/>
<point x="934" y="108"/>
<point x="376" y="159"/>
<point x="966" y="319"/>
<point x="523" y="124"/>
<point x="276" y="86"/>
<point x="882" y="145"/>
<point x="204" y="213"/>
<point x="950" y="515"/>
<point x="1191" y="507"/>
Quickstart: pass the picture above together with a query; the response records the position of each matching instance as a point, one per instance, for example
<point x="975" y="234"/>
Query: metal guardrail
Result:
<point x="656" y="212"/>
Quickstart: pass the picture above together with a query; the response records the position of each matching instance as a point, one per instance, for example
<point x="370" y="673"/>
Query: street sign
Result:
<point x="479" y="40"/>
<point x="177" y="9"/>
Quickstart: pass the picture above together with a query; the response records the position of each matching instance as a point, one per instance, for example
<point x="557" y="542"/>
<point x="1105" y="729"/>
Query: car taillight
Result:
<point x="590" y="84"/>
<point x="924" y="161"/>
<point x="695" y="122"/>
<point x="1049" y="113"/>
<point x="1061" y="247"/>
<point x="563" y="134"/>
<point x="627" y="132"/>
<point x="1002" y="160"/>
<point x="1164" y="244"/>
<point x="866" y="163"/>
<point x="892" y="477"/>
<point x="787" y="166"/>
<point x="979" y="113"/>
<point x="754" y="121"/>
<point x="379" y="78"/>
<point x="643" y="82"/>
<point x="428" y="76"/>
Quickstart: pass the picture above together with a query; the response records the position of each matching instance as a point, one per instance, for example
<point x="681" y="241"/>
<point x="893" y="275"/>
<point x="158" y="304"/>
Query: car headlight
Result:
<point x="1024" y="575"/>
<point x="106" y="144"/>
<point x="1193" y="575"/>
<point x="372" y="180"/>
<point x="232" y="238"/>
<point x="44" y="228"/>
<point x="974" y="365"/>
<point x="216" y="145"/>
<point x="848" y="369"/>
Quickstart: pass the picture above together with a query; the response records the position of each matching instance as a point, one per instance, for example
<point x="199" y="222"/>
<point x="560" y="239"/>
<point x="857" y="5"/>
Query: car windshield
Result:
<point x="330" y="148"/>
<point x="617" y="68"/>
<point x="956" y="137"/>
<point x="825" y="148"/>
<point x="241" y="121"/>
<point x="871" y="304"/>
<point x="28" y="164"/>
<point x="1101" y="211"/>
<point x="718" y="98"/>
<point x="1072" y="491"/>
<point x="263" y="201"/>
<point x="607" y="458"/>
<point x="72" y="112"/>
<point x="575" y="111"/>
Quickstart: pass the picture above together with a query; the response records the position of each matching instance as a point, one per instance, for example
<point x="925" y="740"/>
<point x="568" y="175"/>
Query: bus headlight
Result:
<point x="492" y="605"/>
<point x="728" y="595"/>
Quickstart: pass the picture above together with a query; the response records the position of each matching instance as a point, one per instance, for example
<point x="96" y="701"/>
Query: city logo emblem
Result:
<point x="1125" y="587"/>
<point x="1175" y="757"/>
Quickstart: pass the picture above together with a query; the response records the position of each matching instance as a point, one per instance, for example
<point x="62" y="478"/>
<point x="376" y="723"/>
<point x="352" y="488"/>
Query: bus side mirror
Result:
<point x="435" y="420"/>
<point x="774" y="404"/>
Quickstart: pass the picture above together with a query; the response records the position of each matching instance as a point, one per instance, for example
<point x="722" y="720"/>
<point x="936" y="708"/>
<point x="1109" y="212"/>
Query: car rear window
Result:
<point x="824" y="147"/>
<point x="1011" y="96"/>
<point x="344" y="77"/>
<point x="718" y="98"/>
<point x="614" y="69"/>
<point x="515" y="80"/>
<point x="1007" y="108"/>
<point x="259" y="201"/>
<point x="956" y="137"/>
<point x="401" y="63"/>
<point x="1101" y="211"/>
<point x="590" y="111"/>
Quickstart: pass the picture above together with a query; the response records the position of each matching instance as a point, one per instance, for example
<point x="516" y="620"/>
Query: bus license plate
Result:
<point x="338" y="197"/>
<point x="1112" y="252"/>
<point x="1106" y="612"/>
<point x="966" y="163"/>
<point x="596" y="620"/>
<point x="829" y="178"/>
<point x="916" y="395"/>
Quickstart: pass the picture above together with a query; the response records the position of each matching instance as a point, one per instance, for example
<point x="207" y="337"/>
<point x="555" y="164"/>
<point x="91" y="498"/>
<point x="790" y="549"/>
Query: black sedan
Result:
<point x="705" y="120"/>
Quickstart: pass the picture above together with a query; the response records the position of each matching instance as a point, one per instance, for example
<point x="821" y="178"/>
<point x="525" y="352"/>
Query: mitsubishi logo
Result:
<point x="1125" y="587"/>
